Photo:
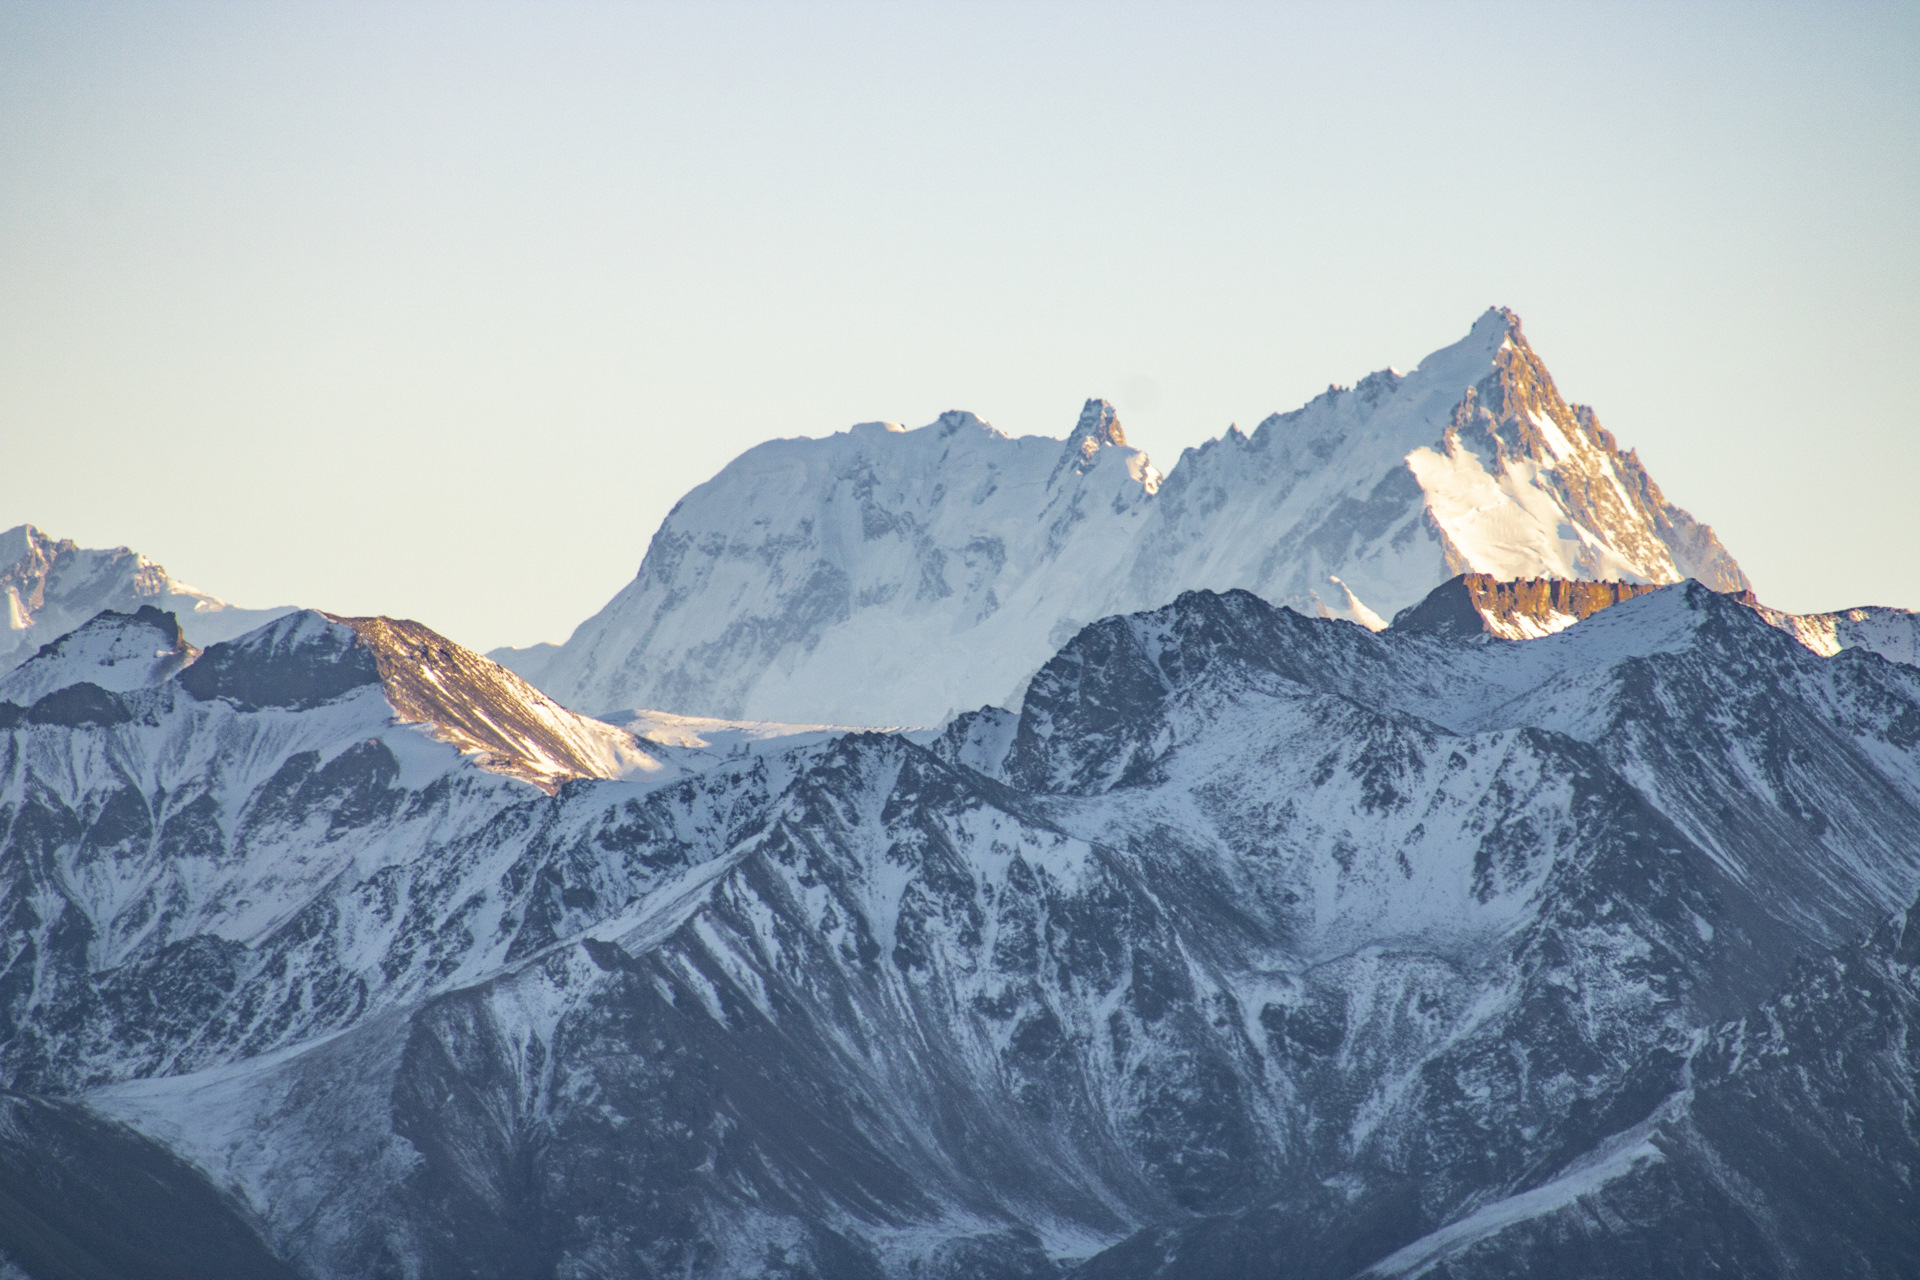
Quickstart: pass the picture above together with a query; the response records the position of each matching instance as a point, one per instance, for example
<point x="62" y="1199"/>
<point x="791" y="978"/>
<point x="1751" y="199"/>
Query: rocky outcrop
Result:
<point x="1481" y="604"/>
<point x="1526" y="609"/>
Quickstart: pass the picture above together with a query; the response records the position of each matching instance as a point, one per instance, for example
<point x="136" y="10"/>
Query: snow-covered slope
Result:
<point x="484" y="709"/>
<point x="878" y="576"/>
<point x="49" y="587"/>
<point x="1253" y="941"/>
<point x="278" y="829"/>
<point x="883" y="576"/>
<point x="1892" y="633"/>
<point x="116" y="652"/>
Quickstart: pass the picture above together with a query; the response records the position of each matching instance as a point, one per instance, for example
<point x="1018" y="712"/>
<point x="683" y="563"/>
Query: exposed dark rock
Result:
<point x="79" y="705"/>
<point x="296" y="663"/>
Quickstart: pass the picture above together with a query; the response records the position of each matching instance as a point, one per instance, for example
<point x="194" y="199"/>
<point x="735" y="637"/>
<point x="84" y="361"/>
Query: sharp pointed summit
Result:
<point x="1098" y="428"/>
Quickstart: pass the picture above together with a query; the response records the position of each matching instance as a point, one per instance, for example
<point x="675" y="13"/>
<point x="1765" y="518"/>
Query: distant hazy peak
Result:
<point x="1099" y="424"/>
<point x="31" y="561"/>
<point x="50" y="586"/>
<point x="1098" y="428"/>
<point x="951" y="421"/>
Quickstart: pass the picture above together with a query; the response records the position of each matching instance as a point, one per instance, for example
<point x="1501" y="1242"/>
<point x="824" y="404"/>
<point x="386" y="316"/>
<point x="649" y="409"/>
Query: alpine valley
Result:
<point x="1567" y="926"/>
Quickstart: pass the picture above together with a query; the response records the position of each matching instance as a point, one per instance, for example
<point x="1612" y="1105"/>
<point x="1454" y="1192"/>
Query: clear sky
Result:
<point x="435" y="309"/>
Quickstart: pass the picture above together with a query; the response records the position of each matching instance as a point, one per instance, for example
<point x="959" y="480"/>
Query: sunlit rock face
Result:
<point x="883" y="576"/>
<point x="1523" y="609"/>
<point x="1528" y="608"/>
<point x="1251" y="944"/>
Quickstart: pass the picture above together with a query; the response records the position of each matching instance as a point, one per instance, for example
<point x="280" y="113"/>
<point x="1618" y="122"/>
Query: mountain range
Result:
<point x="949" y="562"/>
<point x="1249" y="929"/>
<point x="1568" y="925"/>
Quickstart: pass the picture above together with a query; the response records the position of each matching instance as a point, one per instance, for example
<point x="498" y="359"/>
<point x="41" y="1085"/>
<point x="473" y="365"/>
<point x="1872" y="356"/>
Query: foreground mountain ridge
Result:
<point x="946" y="564"/>
<point x="1251" y="943"/>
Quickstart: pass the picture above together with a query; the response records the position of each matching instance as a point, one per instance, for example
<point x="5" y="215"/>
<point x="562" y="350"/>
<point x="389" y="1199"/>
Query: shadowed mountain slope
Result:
<point x="1252" y="944"/>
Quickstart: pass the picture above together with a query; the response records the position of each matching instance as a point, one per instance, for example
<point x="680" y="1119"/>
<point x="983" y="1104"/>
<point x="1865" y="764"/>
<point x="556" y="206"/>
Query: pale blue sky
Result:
<point x="434" y="310"/>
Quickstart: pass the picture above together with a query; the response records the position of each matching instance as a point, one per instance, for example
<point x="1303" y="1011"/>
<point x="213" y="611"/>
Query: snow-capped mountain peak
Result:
<point x="50" y="586"/>
<point x="486" y="710"/>
<point x="944" y="565"/>
<point x="310" y="658"/>
<point x="1512" y="480"/>
<point x="1513" y="437"/>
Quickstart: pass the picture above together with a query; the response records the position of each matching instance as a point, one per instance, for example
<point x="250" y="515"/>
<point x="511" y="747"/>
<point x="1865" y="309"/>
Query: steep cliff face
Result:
<point x="1252" y="943"/>
<point x="1517" y="426"/>
<point x="51" y="586"/>
<point x="944" y="565"/>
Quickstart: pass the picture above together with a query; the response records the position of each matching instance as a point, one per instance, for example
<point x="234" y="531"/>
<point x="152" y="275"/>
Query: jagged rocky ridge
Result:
<point x="1252" y="944"/>
<point x="50" y="586"/>
<point x="1528" y="608"/>
<point x="947" y="564"/>
<point x="1523" y="609"/>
